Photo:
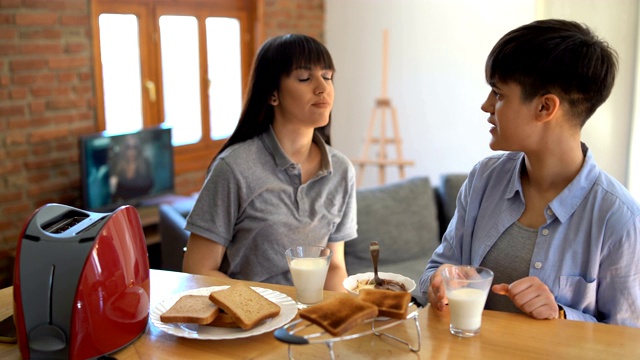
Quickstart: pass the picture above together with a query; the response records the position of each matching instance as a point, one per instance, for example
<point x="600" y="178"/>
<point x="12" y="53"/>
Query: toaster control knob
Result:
<point x="47" y="338"/>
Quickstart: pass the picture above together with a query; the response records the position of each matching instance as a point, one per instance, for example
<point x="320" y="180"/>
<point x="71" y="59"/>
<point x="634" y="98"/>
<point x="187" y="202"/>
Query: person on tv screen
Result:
<point x="131" y="174"/>
<point x="560" y="234"/>
<point x="277" y="182"/>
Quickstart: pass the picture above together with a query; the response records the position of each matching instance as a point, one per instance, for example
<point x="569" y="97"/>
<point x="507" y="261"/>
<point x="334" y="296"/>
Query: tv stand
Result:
<point x="148" y="211"/>
<point x="155" y="201"/>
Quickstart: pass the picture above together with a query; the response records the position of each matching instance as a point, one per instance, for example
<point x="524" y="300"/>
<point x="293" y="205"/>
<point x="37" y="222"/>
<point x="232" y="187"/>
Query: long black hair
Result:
<point x="277" y="57"/>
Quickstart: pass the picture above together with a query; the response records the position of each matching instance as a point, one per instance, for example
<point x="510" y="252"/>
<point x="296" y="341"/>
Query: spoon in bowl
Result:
<point x="374" y="248"/>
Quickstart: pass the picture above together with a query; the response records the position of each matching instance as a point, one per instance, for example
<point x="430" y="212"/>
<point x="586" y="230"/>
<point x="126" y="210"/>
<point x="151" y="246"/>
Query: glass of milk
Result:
<point x="466" y="288"/>
<point x="308" y="266"/>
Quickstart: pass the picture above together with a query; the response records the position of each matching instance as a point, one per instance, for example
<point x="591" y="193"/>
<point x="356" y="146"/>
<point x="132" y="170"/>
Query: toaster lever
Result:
<point x="48" y="337"/>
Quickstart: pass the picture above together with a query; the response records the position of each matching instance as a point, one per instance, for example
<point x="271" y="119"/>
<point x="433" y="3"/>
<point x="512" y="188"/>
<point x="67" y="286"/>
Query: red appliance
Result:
<point x="81" y="283"/>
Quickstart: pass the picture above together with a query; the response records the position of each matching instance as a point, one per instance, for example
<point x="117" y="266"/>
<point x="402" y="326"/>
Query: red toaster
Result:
<point x="81" y="283"/>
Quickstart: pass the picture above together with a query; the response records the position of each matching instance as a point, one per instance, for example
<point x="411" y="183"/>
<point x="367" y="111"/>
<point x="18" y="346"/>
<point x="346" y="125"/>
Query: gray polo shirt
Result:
<point x="253" y="202"/>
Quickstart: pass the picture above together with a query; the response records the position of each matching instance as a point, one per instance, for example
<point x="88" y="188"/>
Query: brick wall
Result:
<point x="47" y="101"/>
<point x="294" y="16"/>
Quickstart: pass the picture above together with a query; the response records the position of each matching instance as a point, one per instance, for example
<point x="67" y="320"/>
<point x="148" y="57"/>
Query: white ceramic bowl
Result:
<point x="351" y="283"/>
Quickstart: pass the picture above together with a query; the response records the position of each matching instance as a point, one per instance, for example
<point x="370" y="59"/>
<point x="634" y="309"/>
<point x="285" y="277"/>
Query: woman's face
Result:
<point x="512" y="119"/>
<point x="132" y="148"/>
<point x="305" y="97"/>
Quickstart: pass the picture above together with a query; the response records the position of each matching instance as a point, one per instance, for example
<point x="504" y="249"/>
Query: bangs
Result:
<point x="505" y="62"/>
<point x="299" y="52"/>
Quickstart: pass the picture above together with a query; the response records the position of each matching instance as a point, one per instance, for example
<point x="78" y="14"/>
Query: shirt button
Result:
<point x="538" y="265"/>
<point x="549" y="211"/>
<point x="545" y="232"/>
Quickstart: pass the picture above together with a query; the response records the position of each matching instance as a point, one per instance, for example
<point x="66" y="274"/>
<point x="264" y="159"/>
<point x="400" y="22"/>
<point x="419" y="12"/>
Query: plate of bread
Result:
<point x="341" y="317"/>
<point x="223" y="312"/>
<point x="340" y="314"/>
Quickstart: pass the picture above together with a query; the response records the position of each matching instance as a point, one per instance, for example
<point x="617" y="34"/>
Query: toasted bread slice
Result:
<point x="339" y="315"/>
<point x="195" y="309"/>
<point x="224" y="320"/>
<point x="390" y="303"/>
<point x="246" y="306"/>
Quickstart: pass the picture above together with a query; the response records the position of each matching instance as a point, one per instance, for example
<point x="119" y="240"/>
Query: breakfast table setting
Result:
<point x="503" y="335"/>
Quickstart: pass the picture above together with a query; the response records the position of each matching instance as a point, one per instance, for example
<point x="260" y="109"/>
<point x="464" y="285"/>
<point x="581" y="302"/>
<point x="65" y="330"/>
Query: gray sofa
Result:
<point x="407" y="218"/>
<point x="173" y="236"/>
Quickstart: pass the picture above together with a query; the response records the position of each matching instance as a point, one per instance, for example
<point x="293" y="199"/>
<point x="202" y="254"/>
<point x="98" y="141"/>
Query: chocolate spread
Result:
<point x="391" y="285"/>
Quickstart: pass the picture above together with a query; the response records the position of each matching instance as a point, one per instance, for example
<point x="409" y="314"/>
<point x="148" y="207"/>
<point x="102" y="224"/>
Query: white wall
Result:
<point x="634" y="152"/>
<point x="608" y="132"/>
<point x="437" y="51"/>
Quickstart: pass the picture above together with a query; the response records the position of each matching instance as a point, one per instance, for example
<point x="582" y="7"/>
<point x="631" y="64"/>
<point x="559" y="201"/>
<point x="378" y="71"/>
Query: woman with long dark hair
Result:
<point x="277" y="182"/>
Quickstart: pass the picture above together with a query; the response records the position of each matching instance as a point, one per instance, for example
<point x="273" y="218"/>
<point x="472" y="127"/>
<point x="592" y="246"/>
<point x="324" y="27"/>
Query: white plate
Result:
<point x="351" y="282"/>
<point x="288" y="310"/>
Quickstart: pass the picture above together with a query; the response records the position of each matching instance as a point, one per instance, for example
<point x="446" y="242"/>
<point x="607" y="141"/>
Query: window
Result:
<point x="178" y="64"/>
<point x="224" y="71"/>
<point x="120" y="56"/>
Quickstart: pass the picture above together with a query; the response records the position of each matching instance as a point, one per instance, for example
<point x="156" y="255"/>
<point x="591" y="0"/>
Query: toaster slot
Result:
<point x="92" y="225"/>
<point x="64" y="222"/>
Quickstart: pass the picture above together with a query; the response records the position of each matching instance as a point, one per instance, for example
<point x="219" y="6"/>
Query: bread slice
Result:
<point x="339" y="315"/>
<point x="224" y="320"/>
<point x="195" y="309"/>
<point x="390" y="303"/>
<point x="246" y="306"/>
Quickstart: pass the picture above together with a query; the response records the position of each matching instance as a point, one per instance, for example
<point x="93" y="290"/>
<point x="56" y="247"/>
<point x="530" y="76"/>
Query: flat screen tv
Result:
<point x="133" y="168"/>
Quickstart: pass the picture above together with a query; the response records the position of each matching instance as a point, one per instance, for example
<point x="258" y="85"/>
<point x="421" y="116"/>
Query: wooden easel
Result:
<point x="383" y="103"/>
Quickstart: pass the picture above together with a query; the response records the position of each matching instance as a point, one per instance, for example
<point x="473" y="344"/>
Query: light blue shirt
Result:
<point x="586" y="252"/>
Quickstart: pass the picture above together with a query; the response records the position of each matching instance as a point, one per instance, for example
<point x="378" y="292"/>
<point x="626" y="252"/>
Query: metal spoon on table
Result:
<point x="374" y="248"/>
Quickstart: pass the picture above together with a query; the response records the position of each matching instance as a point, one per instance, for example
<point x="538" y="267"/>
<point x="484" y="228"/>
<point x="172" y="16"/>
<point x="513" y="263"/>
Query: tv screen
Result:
<point x="125" y="169"/>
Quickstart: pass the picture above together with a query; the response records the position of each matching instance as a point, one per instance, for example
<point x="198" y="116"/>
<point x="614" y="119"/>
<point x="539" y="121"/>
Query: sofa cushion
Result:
<point x="402" y="217"/>
<point x="173" y="236"/>
<point x="447" y="193"/>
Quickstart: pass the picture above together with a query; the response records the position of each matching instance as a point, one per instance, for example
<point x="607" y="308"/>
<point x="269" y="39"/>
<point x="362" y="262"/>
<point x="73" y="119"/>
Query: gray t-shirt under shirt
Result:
<point x="509" y="259"/>
<point x="254" y="203"/>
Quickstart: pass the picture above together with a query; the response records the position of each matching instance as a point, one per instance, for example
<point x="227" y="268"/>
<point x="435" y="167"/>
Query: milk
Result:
<point x="466" y="307"/>
<point x="308" y="278"/>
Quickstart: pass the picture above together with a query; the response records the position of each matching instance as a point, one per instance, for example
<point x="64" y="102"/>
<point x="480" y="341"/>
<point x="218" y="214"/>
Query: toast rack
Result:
<point x="287" y="333"/>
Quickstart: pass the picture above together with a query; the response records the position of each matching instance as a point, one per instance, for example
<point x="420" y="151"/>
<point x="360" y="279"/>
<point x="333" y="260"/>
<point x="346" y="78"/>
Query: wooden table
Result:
<point x="503" y="336"/>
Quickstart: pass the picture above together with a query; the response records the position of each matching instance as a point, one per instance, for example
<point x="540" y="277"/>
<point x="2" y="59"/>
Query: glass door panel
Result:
<point x="120" y="57"/>
<point x="181" y="77"/>
<point x="225" y="75"/>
